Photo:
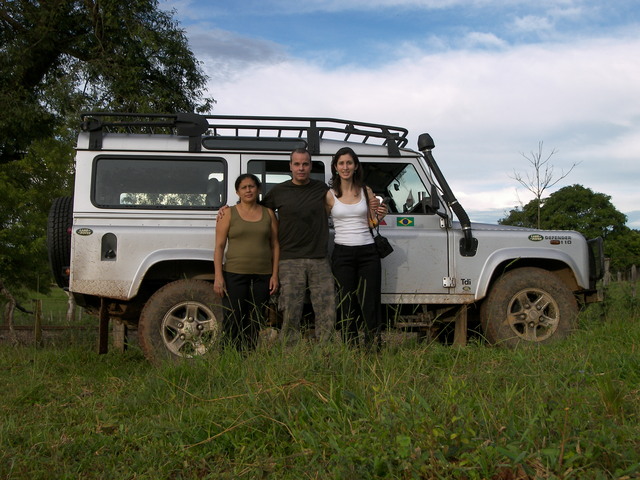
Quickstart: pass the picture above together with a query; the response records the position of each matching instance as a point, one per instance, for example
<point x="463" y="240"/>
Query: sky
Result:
<point x="493" y="81"/>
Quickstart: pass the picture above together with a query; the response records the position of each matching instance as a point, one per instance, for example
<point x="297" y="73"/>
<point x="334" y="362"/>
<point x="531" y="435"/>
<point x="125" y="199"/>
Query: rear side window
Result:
<point x="161" y="183"/>
<point x="272" y="172"/>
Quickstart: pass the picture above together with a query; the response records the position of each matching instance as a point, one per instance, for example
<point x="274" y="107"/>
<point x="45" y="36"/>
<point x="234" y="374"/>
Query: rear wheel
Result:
<point x="181" y="320"/>
<point x="528" y="306"/>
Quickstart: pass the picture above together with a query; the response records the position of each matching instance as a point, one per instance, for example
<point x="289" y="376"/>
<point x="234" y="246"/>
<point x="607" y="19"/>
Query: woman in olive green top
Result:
<point x="250" y="273"/>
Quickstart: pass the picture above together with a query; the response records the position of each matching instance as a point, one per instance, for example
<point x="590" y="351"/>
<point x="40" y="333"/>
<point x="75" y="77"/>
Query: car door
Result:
<point x="419" y="263"/>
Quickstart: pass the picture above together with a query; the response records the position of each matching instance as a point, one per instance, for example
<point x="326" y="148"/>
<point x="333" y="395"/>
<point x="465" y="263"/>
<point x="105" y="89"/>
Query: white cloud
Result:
<point x="483" y="98"/>
<point x="482" y="107"/>
<point x="226" y="53"/>
<point x="364" y="5"/>
<point x="568" y="13"/>
<point x="192" y="9"/>
<point x="532" y="23"/>
<point x="482" y="40"/>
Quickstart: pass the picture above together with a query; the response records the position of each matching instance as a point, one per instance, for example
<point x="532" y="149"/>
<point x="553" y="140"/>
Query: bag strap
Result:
<point x="369" y="218"/>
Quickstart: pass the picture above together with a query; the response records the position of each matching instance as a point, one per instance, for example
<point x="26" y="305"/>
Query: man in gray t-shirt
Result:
<point x="304" y="236"/>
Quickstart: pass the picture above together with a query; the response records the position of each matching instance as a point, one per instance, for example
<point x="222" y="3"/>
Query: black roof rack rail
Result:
<point x="187" y="124"/>
<point x="194" y="126"/>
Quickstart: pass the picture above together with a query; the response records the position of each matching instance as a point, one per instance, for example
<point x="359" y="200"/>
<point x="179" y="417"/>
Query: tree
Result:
<point x="542" y="177"/>
<point x="578" y="208"/>
<point x="524" y="216"/>
<point x="61" y="57"/>
<point x="572" y="208"/>
<point x="623" y="248"/>
<point x="592" y="214"/>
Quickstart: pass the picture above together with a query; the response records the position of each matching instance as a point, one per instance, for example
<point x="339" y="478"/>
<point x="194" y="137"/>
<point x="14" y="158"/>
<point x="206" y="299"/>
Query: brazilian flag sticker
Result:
<point x="405" y="222"/>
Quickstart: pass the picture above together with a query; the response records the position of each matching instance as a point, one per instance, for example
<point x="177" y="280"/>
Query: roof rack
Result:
<point x="313" y="129"/>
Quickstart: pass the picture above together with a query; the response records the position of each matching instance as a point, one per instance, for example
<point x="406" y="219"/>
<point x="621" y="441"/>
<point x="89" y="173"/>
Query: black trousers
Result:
<point x="357" y="272"/>
<point x="245" y="308"/>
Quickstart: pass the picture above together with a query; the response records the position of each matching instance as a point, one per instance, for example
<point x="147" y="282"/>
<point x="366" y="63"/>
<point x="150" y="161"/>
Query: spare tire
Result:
<point x="59" y="227"/>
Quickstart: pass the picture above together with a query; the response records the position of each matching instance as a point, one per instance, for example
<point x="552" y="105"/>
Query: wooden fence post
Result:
<point x="37" y="327"/>
<point x="460" y="332"/>
<point x="103" y="327"/>
<point x="71" y="308"/>
<point x="120" y="336"/>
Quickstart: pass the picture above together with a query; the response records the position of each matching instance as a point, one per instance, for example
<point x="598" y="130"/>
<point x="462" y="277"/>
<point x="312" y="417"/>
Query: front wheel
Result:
<point x="528" y="306"/>
<point x="183" y="319"/>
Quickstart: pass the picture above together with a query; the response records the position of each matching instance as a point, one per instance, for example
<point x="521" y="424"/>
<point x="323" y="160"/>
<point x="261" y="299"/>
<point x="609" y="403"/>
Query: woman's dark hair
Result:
<point x="335" y="176"/>
<point x="247" y="175"/>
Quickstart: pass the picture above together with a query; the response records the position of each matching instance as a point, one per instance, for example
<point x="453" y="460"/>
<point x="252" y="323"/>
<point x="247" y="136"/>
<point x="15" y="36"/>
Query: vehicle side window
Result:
<point x="272" y="172"/>
<point x="159" y="183"/>
<point x="400" y="184"/>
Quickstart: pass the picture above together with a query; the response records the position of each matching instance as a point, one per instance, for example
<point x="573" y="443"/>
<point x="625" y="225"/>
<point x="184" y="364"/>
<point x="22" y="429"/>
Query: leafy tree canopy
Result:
<point x="592" y="214"/>
<point x="578" y="208"/>
<point x="61" y="57"/>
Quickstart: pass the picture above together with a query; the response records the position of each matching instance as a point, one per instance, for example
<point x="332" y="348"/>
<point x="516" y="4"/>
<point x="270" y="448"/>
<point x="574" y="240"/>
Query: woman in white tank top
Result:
<point x="355" y="261"/>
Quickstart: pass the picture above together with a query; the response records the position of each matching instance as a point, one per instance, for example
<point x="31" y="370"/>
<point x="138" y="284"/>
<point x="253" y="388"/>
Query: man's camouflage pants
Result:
<point x="296" y="276"/>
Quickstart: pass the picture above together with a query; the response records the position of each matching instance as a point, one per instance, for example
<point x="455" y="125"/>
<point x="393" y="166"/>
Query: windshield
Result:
<point x="399" y="184"/>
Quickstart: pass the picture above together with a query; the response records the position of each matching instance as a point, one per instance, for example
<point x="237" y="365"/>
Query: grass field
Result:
<point x="567" y="411"/>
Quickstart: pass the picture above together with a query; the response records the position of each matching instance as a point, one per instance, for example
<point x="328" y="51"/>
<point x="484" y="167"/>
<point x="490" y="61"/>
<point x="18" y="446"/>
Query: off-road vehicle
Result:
<point x="135" y="243"/>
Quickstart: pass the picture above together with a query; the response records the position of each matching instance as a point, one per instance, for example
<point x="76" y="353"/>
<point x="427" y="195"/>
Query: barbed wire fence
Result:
<point x="62" y="315"/>
<point x="32" y="323"/>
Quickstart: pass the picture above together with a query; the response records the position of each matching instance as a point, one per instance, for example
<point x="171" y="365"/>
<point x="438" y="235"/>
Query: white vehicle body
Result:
<point x="145" y="207"/>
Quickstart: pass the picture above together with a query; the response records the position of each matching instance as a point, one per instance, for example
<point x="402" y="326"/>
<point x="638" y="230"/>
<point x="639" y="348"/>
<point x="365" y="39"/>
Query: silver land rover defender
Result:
<point x="135" y="243"/>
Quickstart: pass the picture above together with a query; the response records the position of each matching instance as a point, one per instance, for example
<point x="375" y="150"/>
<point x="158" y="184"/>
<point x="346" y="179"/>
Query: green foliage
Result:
<point x="623" y="247"/>
<point x="117" y="55"/>
<point x="57" y="59"/>
<point x="581" y="209"/>
<point x="527" y="216"/>
<point x="28" y="185"/>
<point x="571" y="208"/>
<point x="592" y="214"/>
<point x="413" y="411"/>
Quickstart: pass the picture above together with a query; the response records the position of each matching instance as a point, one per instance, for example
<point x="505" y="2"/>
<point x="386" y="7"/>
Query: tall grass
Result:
<point x="568" y="411"/>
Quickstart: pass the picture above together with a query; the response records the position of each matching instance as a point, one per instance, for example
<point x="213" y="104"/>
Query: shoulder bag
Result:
<point x="382" y="244"/>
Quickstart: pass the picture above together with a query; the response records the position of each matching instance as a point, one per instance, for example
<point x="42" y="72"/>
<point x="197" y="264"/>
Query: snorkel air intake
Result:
<point x="468" y="244"/>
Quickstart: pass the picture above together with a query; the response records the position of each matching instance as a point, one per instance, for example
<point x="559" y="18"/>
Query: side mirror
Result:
<point x="429" y="205"/>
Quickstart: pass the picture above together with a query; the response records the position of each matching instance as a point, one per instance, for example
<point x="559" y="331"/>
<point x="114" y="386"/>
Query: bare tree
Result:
<point x="541" y="179"/>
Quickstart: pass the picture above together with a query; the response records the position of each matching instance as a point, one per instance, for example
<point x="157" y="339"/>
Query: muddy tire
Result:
<point x="59" y="226"/>
<point x="528" y="306"/>
<point x="181" y="320"/>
